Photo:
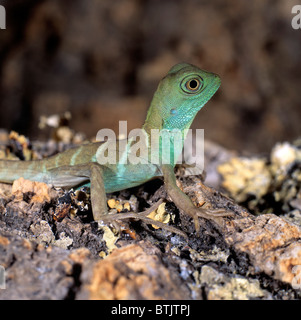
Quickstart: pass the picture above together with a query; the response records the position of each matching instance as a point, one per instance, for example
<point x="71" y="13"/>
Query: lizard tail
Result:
<point x="11" y="170"/>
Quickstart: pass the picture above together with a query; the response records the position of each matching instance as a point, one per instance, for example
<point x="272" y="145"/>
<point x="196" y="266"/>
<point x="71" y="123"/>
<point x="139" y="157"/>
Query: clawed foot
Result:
<point x="194" y="212"/>
<point x="210" y="214"/>
<point x="143" y="216"/>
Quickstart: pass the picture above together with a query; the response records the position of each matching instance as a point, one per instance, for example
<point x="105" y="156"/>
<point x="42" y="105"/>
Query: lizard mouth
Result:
<point x="213" y="87"/>
<point x="210" y="91"/>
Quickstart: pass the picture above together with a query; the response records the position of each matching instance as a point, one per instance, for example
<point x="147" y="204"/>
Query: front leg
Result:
<point x="182" y="201"/>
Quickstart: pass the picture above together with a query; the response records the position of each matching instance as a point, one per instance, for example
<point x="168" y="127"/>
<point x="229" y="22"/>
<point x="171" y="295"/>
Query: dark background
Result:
<point x="102" y="61"/>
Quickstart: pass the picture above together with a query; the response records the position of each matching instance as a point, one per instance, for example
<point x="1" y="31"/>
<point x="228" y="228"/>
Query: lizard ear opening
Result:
<point x="173" y="111"/>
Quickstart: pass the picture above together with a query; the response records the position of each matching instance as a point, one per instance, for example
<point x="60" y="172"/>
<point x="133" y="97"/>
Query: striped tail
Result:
<point x="11" y="170"/>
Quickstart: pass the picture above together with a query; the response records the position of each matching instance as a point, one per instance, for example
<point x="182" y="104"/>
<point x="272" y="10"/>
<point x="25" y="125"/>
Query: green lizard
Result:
<point x="179" y="97"/>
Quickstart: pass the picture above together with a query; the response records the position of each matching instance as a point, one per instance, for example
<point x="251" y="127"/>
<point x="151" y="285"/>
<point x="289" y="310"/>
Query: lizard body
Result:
<point x="179" y="97"/>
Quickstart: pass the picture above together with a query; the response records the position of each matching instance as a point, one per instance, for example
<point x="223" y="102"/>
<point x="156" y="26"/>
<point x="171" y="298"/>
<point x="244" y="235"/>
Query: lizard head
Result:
<point x="181" y="94"/>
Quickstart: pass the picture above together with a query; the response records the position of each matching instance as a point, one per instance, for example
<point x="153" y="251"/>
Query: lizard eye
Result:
<point x="192" y="85"/>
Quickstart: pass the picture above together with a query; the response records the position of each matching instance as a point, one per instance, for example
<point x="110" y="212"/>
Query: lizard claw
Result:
<point x="143" y="217"/>
<point x="220" y="212"/>
<point x="210" y="214"/>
